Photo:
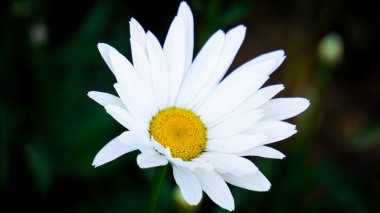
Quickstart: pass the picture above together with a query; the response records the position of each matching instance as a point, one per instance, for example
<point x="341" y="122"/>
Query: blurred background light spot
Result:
<point x="38" y="33"/>
<point x="181" y="203"/>
<point x="330" y="48"/>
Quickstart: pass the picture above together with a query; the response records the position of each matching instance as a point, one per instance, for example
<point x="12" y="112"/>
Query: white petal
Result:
<point x="104" y="49"/>
<point x="175" y="50"/>
<point x="134" y="102"/>
<point x="121" y="67"/>
<point x="277" y="56"/>
<point x="139" y="103"/>
<point x="233" y="40"/>
<point x="201" y="69"/>
<point x="228" y="163"/>
<point x="256" y="68"/>
<point x="255" y="181"/>
<point x="190" y="187"/>
<point x="254" y="101"/>
<point x="159" y="148"/>
<point x="263" y="151"/>
<point x="142" y="67"/>
<point x="136" y="140"/>
<point x="234" y="90"/>
<point x="140" y="61"/>
<point x="260" y="97"/>
<point x="159" y="70"/>
<point x="274" y="130"/>
<point x="191" y="165"/>
<point x="137" y="32"/>
<point x="122" y="116"/>
<point x="235" y="143"/>
<point x="216" y="188"/>
<point x="185" y="13"/>
<point x="284" y="108"/>
<point x="151" y="158"/>
<point x="235" y="124"/>
<point x="194" y="164"/>
<point x="112" y="150"/>
<point x="104" y="99"/>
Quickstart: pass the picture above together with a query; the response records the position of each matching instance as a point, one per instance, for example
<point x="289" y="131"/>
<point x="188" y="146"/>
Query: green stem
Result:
<point x="158" y="180"/>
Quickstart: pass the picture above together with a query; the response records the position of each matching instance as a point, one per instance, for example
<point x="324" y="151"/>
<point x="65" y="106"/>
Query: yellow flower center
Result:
<point x="181" y="130"/>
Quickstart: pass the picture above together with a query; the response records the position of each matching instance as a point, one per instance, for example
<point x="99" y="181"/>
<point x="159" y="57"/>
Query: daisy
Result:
<point x="179" y="111"/>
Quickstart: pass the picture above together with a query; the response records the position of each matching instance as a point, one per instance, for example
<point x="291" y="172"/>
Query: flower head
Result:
<point x="179" y="111"/>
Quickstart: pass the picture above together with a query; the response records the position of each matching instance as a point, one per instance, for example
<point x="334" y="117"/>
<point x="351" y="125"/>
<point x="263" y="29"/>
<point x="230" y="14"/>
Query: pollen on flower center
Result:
<point x="181" y="130"/>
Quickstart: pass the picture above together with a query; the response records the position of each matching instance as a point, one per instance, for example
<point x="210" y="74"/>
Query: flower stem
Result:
<point x="158" y="180"/>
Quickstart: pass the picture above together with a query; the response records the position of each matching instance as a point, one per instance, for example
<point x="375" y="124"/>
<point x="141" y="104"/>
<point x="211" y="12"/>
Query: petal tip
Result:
<point x="96" y="163"/>
<point x="239" y="29"/>
<point x="132" y="20"/>
<point x="102" y="46"/>
<point x="242" y="27"/>
<point x="184" y="10"/>
<point x="90" y="94"/>
<point x="265" y="188"/>
<point x="230" y="208"/>
<point x="305" y="104"/>
<point x="184" y="4"/>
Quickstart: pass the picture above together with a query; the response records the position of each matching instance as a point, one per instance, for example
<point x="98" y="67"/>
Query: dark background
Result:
<point x="50" y="130"/>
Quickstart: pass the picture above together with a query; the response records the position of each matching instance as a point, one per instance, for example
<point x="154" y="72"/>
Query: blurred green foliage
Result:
<point x="50" y="130"/>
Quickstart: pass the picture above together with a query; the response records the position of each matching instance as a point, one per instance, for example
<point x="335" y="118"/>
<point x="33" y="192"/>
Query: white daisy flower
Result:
<point x="179" y="111"/>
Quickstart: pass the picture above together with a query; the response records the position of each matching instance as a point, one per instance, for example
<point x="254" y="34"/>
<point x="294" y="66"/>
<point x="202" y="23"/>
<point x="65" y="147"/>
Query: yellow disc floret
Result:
<point x="181" y="130"/>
